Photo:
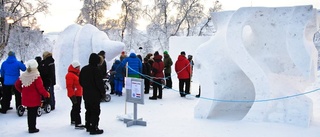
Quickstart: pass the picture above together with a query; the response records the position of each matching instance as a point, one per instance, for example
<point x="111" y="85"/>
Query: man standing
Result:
<point x="10" y="72"/>
<point x="48" y="75"/>
<point x="183" y="70"/>
<point x="90" y="79"/>
<point x="167" y="69"/>
<point x="134" y="65"/>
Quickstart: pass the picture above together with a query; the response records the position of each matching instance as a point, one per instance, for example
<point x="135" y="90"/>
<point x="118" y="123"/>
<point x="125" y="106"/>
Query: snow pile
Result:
<point x="259" y="54"/>
<point x="77" y="43"/>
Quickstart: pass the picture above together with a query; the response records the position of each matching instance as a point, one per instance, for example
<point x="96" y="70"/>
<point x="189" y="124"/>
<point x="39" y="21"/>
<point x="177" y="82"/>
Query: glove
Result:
<point x="47" y="100"/>
<point x="74" y="99"/>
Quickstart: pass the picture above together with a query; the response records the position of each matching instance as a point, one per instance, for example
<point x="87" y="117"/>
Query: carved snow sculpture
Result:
<point x="256" y="56"/>
<point x="77" y="43"/>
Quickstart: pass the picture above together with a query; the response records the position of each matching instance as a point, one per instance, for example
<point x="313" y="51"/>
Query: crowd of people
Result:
<point x="87" y="83"/>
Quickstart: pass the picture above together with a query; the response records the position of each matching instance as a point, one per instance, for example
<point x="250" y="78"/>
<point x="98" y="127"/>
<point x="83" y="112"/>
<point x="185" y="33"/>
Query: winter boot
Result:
<point x="96" y="131"/>
<point x="34" y="130"/>
<point x="80" y="126"/>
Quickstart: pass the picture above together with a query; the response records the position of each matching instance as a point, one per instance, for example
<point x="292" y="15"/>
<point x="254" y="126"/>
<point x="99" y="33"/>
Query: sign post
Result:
<point x="134" y="94"/>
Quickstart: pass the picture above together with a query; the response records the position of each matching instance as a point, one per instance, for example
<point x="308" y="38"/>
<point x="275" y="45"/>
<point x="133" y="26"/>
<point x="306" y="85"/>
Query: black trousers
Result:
<point x="7" y="96"/>
<point x="146" y="85"/>
<point x="156" y="85"/>
<point x="76" y="110"/>
<point x="168" y="80"/>
<point x="92" y="112"/>
<point x="184" y="83"/>
<point x="32" y="117"/>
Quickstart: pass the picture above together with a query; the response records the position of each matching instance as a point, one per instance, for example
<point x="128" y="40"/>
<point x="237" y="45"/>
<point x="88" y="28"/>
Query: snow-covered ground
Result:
<point x="171" y="116"/>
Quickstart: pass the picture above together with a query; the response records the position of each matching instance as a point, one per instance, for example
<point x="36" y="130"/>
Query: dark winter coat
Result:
<point x="182" y="67"/>
<point x="72" y="82"/>
<point x="10" y="70"/>
<point x="91" y="80"/>
<point x="134" y="63"/>
<point x="157" y="67"/>
<point x="48" y="72"/>
<point x="167" y="63"/>
<point x="103" y="68"/>
<point x="119" y="70"/>
<point x="146" y="69"/>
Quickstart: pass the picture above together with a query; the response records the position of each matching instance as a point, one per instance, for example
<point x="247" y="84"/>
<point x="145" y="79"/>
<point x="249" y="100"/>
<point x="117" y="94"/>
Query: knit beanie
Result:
<point x="11" y="53"/>
<point x="132" y="51"/>
<point x="165" y="52"/>
<point x="75" y="64"/>
<point x="32" y="64"/>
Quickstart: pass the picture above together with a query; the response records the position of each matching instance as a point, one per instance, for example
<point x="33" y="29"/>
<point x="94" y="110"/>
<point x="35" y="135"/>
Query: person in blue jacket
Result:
<point x="118" y="70"/>
<point x="134" y="65"/>
<point x="10" y="72"/>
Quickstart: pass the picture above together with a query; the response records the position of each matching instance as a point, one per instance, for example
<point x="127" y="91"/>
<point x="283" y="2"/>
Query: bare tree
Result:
<point x="206" y="27"/>
<point x="128" y="19"/>
<point x="22" y="13"/>
<point x="92" y="12"/>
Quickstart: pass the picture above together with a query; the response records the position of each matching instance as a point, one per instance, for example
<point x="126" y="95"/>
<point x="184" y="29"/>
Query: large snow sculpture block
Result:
<point x="258" y="54"/>
<point x="77" y="43"/>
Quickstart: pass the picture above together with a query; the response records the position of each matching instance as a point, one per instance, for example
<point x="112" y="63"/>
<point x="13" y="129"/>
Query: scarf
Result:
<point x="28" y="78"/>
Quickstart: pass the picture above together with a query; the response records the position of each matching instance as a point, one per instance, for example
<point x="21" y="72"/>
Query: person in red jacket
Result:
<point x="31" y="88"/>
<point x="182" y="67"/>
<point x="74" y="93"/>
<point x="158" y="76"/>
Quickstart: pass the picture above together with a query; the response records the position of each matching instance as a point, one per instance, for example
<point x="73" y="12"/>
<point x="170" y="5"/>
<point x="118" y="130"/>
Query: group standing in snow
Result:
<point x="87" y="83"/>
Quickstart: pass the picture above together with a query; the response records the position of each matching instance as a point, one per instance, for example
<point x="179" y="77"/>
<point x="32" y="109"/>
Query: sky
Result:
<point x="65" y="12"/>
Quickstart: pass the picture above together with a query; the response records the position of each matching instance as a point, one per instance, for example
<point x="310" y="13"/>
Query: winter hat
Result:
<point x="156" y="53"/>
<point x="165" y="52"/>
<point x="132" y="51"/>
<point x="11" y="53"/>
<point x="46" y="54"/>
<point x="183" y="53"/>
<point x="190" y="56"/>
<point x="122" y="53"/>
<point x="75" y="64"/>
<point x="102" y="53"/>
<point x="32" y="64"/>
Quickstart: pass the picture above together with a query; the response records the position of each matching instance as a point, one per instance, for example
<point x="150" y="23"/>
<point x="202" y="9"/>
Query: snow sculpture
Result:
<point x="77" y="43"/>
<point x="257" y="54"/>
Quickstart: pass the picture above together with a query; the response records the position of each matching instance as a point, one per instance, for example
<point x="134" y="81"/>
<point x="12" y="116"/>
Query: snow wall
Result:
<point x="257" y="56"/>
<point x="77" y="43"/>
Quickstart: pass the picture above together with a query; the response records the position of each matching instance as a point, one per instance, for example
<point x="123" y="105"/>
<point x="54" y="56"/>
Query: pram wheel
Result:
<point x="47" y="108"/>
<point x="39" y="112"/>
<point x="106" y="99"/>
<point x="20" y="110"/>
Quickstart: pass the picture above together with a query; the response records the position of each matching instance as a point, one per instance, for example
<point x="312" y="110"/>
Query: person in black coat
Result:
<point x="48" y="75"/>
<point x="103" y="65"/>
<point x="146" y="71"/>
<point x="90" y="79"/>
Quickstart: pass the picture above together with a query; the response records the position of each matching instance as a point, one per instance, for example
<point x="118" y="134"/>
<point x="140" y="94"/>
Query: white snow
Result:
<point x="171" y="116"/>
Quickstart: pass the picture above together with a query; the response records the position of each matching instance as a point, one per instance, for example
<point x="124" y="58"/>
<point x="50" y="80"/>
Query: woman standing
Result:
<point x="157" y="73"/>
<point x="31" y="88"/>
<point x="74" y="93"/>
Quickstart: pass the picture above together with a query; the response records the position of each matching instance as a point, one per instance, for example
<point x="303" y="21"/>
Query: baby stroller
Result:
<point x="45" y="106"/>
<point x="107" y="97"/>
